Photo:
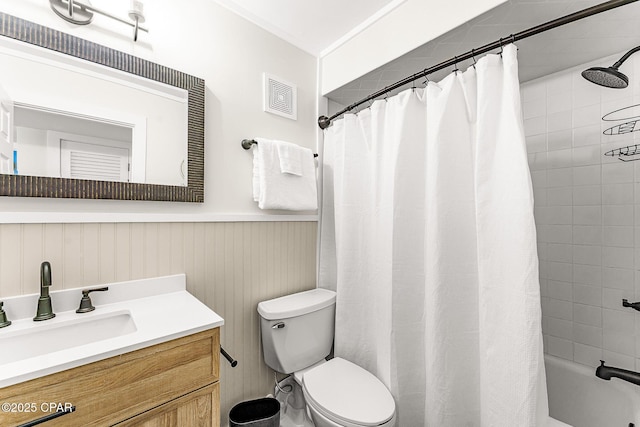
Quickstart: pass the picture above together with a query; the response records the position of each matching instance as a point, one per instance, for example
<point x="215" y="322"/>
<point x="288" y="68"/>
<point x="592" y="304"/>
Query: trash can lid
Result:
<point x="254" y="410"/>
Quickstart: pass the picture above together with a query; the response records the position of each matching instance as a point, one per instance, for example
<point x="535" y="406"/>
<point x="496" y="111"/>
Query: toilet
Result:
<point x="297" y="335"/>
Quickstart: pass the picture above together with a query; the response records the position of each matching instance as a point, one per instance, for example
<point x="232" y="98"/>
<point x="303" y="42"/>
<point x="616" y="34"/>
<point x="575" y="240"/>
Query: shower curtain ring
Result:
<point x="426" y="79"/>
<point x="473" y="56"/>
<point x="501" y="47"/>
<point x="455" y="64"/>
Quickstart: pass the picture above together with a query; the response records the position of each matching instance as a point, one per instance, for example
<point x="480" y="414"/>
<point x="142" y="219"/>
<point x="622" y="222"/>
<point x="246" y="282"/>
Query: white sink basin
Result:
<point x="49" y="338"/>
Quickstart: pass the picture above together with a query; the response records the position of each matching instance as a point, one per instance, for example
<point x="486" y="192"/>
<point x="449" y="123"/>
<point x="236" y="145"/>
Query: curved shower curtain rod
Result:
<point x="324" y="121"/>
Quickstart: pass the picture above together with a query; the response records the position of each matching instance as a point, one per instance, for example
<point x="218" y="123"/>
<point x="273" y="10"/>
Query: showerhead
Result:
<point x="610" y="76"/>
<point x="607" y="77"/>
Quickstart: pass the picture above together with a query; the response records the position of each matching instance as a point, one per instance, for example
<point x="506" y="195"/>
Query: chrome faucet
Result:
<point x="44" y="311"/>
<point x="608" y="372"/>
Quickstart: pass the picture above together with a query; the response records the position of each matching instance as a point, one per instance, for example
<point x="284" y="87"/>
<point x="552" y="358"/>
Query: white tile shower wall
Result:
<point x="587" y="209"/>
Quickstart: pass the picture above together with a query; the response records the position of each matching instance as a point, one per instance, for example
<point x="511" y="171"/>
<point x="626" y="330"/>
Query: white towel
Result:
<point x="278" y="190"/>
<point x="256" y="176"/>
<point x="291" y="156"/>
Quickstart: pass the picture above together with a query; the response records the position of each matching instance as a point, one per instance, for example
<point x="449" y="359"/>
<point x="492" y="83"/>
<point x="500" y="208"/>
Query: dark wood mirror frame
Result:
<point x="34" y="186"/>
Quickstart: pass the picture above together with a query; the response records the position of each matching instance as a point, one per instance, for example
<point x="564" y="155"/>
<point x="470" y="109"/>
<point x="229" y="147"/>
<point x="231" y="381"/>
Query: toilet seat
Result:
<point x="347" y="394"/>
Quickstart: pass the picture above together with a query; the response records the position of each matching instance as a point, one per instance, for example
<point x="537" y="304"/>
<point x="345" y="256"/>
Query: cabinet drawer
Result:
<point x="118" y="388"/>
<point x="196" y="409"/>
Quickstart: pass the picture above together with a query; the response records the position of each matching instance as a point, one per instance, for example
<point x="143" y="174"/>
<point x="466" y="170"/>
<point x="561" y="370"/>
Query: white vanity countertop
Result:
<point x="161" y="309"/>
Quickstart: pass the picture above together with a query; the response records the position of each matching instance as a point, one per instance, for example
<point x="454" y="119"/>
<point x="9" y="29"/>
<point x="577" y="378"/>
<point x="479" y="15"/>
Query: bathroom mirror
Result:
<point x="80" y="120"/>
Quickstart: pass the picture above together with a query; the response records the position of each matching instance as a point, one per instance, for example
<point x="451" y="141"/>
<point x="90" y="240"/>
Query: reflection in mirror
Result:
<point x="51" y="92"/>
<point x="60" y="145"/>
<point x="92" y="113"/>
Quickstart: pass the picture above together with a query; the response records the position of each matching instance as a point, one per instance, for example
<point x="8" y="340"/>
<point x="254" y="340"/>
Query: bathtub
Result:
<point x="580" y="399"/>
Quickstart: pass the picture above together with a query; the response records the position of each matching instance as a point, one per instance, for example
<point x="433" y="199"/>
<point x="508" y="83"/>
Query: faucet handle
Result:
<point x="85" y="303"/>
<point x="634" y="305"/>
<point x="3" y="317"/>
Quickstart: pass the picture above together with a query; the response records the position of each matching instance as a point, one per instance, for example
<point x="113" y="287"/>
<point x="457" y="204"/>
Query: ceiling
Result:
<point x="316" y="29"/>
<point x="311" y="25"/>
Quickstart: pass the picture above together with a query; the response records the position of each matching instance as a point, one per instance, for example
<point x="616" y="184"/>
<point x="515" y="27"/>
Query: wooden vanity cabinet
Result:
<point x="175" y="383"/>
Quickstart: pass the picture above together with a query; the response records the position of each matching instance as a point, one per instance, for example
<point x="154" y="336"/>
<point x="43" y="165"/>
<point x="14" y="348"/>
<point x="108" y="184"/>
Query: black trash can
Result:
<point x="263" y="412"/>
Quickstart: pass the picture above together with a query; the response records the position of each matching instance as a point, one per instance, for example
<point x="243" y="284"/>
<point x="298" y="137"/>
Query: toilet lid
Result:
<point x="346" y="392"/>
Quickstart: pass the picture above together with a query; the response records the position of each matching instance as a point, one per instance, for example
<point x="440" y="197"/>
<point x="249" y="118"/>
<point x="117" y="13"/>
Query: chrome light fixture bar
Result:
<point x="81" y="13"/>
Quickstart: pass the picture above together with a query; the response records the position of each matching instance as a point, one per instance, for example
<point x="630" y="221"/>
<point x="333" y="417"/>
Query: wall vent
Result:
<point x="280" y="97"/>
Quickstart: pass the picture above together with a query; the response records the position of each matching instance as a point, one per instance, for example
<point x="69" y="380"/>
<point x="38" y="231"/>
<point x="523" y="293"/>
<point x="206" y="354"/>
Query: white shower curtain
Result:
<point x="428" y="236"/>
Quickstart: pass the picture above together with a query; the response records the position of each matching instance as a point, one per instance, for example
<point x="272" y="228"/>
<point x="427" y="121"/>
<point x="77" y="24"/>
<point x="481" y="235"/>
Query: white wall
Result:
<point x="230" y="266"/>
<point x="408" y="26"/>
<point x="587" y="209"/>
<point x="204" y="39"/>
<point x="33" y="152"/>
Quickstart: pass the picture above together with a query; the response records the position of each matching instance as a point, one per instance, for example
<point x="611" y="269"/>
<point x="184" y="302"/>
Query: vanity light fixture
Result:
<point x="81" y="13"/>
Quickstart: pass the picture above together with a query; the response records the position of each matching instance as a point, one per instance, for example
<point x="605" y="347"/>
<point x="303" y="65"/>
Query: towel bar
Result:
<point x="231" y="360"/>
<point x="247" y="143"/>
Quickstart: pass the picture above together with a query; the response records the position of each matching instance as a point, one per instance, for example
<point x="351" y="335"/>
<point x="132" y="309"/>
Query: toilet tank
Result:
<point x="297" y="329"/>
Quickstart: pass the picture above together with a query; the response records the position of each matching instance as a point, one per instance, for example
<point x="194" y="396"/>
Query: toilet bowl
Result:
<point x="340" y="393"/>
<point x="297" y="335"/>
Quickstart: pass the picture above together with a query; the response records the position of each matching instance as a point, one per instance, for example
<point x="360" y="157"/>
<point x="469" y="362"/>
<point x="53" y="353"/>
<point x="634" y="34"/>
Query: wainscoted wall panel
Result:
<point x="229" y="266"/>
